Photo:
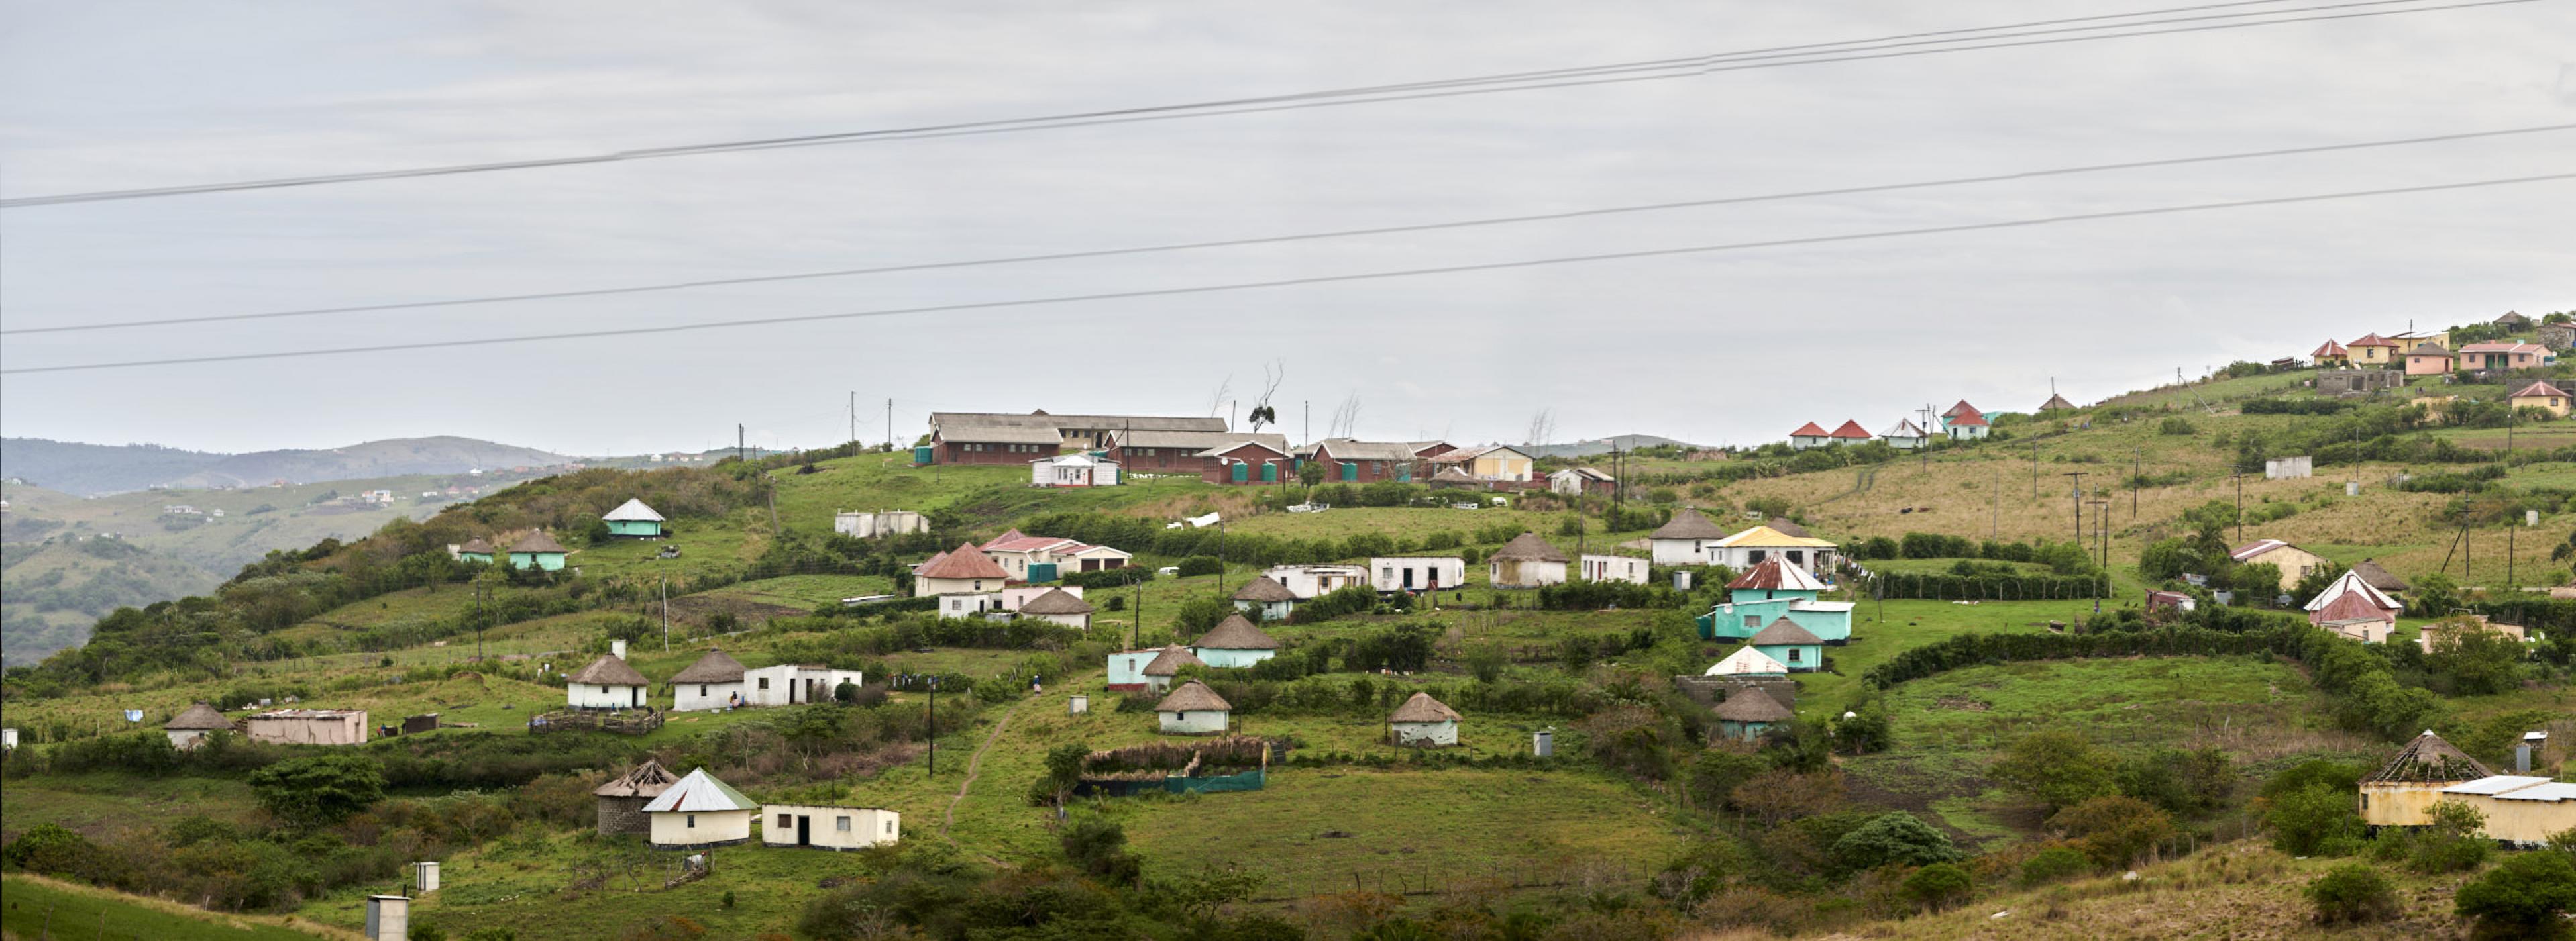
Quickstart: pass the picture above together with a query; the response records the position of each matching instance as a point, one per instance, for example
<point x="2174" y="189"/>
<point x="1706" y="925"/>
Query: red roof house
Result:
<point x="1851" y="431"/>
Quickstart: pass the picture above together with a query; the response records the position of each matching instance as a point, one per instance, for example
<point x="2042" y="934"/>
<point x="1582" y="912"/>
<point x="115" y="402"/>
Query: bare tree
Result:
<point x="1272" y="374"/>
<point x="1346" y="417"/>
<point x="1542" y="426"/>
<point x="1224" y="387"/>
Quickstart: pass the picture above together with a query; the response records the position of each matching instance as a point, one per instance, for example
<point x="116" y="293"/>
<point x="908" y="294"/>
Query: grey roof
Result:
<point x="199" y="717"/>
<point x="1348" y="449"/>
<point x="1264" y="590"/>
<point x="633" y="510"/>
<point x="1040" y="419"/>
<point x="1171" y="660"/>
<point x="1528" y="546"/>
<point x="608" y="671"/>
<point x="1781" y="525"/>
<point x="1196" y="438"/>
<point x="1193" y="696"/>
<point x="1000" y="434"/>
<point x="1056" y="601"/>
<point x="477" y="546"/>
<point x="1423" y="708"/>
<point x="2378" y="576"/>
<point x="1688" y="524"/>
<point x="1235" y="633"/>
<point x="647" y="780"/>
<point x="1752" y="705"/>
<point x="537" y="542"/>
<point x="1783" y="632"/>
<point x="715" y="667"/>
<point x="699" y="793"/>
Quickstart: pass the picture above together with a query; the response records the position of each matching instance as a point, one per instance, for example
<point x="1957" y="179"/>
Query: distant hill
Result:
<point x="90" y="470"/>
<point x="1603" y="446"/>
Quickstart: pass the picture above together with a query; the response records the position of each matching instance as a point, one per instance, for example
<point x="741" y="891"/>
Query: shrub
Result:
<point x="2058" y="768"/>
<point x="1938" y="886"/>
<point x="321" y="790"/>
<point x="2451" y="842"/>
<point x="2527" y="893"/>
<point x="2176" y="425"/>
<point x="1899" y="838"/>
<point x="2114" y="829"/>
<point x="2052" y="864"/>
<point x="2351" y="894"/>
<point x="2313" y="818"/>
<point x="1200" y="565"/>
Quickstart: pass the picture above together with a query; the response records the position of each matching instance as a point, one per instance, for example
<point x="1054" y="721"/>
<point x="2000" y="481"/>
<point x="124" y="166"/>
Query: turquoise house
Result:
<point x="537" y="550"/>
<point x="1769" y="592"/>
<point x="475" y="550"/>
<point x="633" y="520"/>
<point x="1795" y="647"/>
<point x="1747" y="713"/>
<point x="1234" y="643"/>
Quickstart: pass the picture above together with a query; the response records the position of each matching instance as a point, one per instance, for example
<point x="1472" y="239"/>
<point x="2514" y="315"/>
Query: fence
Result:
<point x="637" y="722"/>
<point x="1943" y="586"/>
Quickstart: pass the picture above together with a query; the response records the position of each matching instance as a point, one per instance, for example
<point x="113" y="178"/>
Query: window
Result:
<point x="785" y="821"/>
<point x="1386" y="573"/>
<point x="1753" y="620"/>
<point x="693" y="821"/>
<point x="889" y="826"/>
<point x="1793" y="655"/>
<point x="842" y="824"/>
<point x="764" y="682"/>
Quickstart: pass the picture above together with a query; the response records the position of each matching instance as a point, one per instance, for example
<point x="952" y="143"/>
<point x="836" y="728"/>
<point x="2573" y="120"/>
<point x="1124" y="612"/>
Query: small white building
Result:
<point x="1423" y="721"/>
<point x="1127" y="669"/>
<point x="190" y="727"/>
<point x="714" y="682"/>
<point x="1073" y="470"/>
<point x="963" y="570"/>
<point x="1689" y="539"/>
<point x="1307" y="582"/>
<point x="1166" y="666"/>
<point x="308" y="727"/>
<point x="969" y="604"/>
<point x="1417" y="573"/>
<point x="1576" y="481"/>
<point x="607" y="683"/>
<point x="1614" y="568"/>
<point x="1525" y="562"/>
<point x="873" y="525"/>
<point x="1905" y="435"/>
<point x="699" y="812"/>
<point x="1266" y="599"/>
<point x="1749" y="548"/>
<point x="1059" y="607"/>
<point x="1020" y="555"/>
<point x="828" y="827"/>
<point x="388" y="918"/>
<point x="1193" y="709"/>
<point x="791" y="684"/>
<point x="1234" y="643"/>
<point x="1746" y="661"/>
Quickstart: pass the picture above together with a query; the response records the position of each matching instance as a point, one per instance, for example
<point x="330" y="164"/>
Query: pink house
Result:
<point x="2427" y="359"/>
<point x="2483" y="356"/>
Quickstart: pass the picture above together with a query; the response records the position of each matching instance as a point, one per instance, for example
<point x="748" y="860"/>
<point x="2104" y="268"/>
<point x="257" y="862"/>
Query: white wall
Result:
<point x="791" y="684"/>
<point x="1683" y="551"/>
<point x="967" y="605"/>
<point x="1308" y="581"/>
<point x="1531" y="573"/>
<point x="594" y="696"/>
<point x="1232" y="659"/>
<point x="923" y="587"/>
<point x="1614" y="568"/>
<point x="332" y="730"/>
<point x="1075" y="621"/>
<point x="1387" y="574"/>
<point x="1017" y="595"/>
<point x="721" y="826"/>
<point x="868" y="826"/>
<point x="1444" y="732"/>
<point x="1184" y="723"/>
<point x="184" y="739"/>
<point x="1127" y="667"/>
<point x="694" y="697"/>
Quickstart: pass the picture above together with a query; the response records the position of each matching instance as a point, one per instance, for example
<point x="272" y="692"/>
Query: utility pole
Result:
<point x="934" y="725"/>
<point x="854" y="416"/>
<point x="737" y="442"/>
<point x="889" y="425"/>
<point x="2102" y="534"/>
<point x="2034" y="464"/>
<point x="1926" y="429"/>
<point x="478" y="618"/>
<point x="666" y="612"/>
<point x="2240" y="506"/>
<point x="2076" y="494"/>
<point x="1996" y="529"/>
<point x="2508" y="553"/>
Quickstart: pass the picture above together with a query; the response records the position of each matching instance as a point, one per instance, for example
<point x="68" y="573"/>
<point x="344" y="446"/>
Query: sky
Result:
<point x="1730" y="347"/>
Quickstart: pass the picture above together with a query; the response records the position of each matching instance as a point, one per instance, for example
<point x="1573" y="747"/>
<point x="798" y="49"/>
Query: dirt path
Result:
<point x="974" y="766"/>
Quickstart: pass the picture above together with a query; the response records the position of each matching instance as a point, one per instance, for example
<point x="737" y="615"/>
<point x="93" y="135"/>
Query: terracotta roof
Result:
<point x="1775" y="575"/>
<point x="1962" y="407"/>
<point x="1032" y="544"/>
<point x="1171" y="660"/>
<point x="2373" y="339"/>
<point x="1851" y="429"/>
<point x="2493" y="347"/>
<point x="1688" y="524"/>
<point x="1808" y="430"/>
<point x="1264" y="590"/>
<point x="1422" y="708"/>
<point x="1235" y="633"/>
<point x="537" y="542"/>
<point x="648" y="780"/>
<point x="2353" y="606"/>
<point x="1964" y="415"/>
<point x="1193" y="696"/>
<point x="199" y="717"/>
<point x="2539" y="389"/>
<point x="2378" y="576"/>
<point x="699" y="793"/>
<point x="633" y="510"/>
<point x="2429" y="348"/>
<point x="2331" y="348"/>
<point x="2429" y="758"/>
<point x="1528" y="546"/>
<point x="1006" y="536"/>
<point x="1748" y="661"/>
<point x="1785" y="632"/>
<point x="608" y="671"/>
<point x="715" y="667"/>
<point x="963" y="562"/>
<point x="476" y="546"/>
<point x="1055" y="601"/>
<point x="1752" y="705"/>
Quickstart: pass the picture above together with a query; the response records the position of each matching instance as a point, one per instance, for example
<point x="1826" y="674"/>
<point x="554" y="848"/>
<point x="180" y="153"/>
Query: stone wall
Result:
<point x="623" y="815"/>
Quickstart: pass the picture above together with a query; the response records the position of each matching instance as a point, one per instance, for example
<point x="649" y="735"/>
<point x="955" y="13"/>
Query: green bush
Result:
<point x="2351" y="894"/>
<point x="2114" y="829"/>
<point x="2176" y="425"/>
<point x="321" y="790"/>
<point x="2312" y="819"/>
<point x="2059" y="768"/>
<point x="1938" y="886"/>
<point x="2526" y="894"/>
<point x="2052" y="864"/>
<point x="1899" y="838"/>
<point x="1200" y="565"/>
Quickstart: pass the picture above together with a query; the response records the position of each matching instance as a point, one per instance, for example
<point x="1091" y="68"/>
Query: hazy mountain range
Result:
<point x="96" y="469"/>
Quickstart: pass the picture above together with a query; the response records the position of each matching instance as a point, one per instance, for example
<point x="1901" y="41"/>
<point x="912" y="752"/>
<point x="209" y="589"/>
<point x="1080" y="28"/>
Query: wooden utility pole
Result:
<point x="2240" y="507"/>
<point x="1996" y="529"/>
<point x="666" y="613"/>
<point x="889" y="425"/>
<point x="2034" y="464"/>
<point x="2076" y="495"/>
<point x="854" y="416"/>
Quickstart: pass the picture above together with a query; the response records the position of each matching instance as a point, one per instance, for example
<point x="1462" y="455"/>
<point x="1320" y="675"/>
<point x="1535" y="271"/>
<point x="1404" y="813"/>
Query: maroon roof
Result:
<point x="1964" y="414"/>
<point x="1773" y="574"/>
<point x="962" y="562"/>
<point x="2352" y="606"/>
<point x="1852" y="429"/>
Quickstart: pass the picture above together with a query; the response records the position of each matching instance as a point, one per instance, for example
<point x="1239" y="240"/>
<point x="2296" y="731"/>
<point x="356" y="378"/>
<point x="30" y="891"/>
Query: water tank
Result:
<point x="1543" y="743"/>
<point x="922" y="455"/>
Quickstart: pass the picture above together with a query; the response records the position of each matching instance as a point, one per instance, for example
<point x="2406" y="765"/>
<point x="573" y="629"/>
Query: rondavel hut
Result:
<point x="621" y="801"/>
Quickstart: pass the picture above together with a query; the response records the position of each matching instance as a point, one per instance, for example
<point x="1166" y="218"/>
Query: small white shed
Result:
<point x="791" y="684"/>
<point x="1059" y="606"/>
<point x="1423" y="721"/>
<point x="1235" y="643"/>
<point x="607" y="683"/>
<point x="1073" y="470"/>
<point x="714" y="682"/>
<point x="700" y="811"/>
<point x="189" y="728"/>
<point x="1416" y="573"/>
<point x="829" y="827"/>
<point x="1193" y="709"/>
<point x="1614" y="568"/>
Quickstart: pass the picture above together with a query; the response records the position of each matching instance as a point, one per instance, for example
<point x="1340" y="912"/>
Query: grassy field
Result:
<point x="39" y="907"/>
<point x="2204" y="392"/>
<point x="99" y="803"/>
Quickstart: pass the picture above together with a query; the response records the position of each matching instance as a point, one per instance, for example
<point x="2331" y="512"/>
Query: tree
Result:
<point x="1064" y="768"/>
<point x="2058" y="768"/>
<point x="2113" y="830"/>
<point x="2351" y="894"/>
<point x="2474" y="660"/>
<point x="2528" y="892"/>
<point x="2452" y="839"/>
<point x="321" y="790"/>
<point x="1939" y="886"/>
<point x="2311" y="820"/>
<point x="2314" y="583"/>
<point x="1899" y="838"/>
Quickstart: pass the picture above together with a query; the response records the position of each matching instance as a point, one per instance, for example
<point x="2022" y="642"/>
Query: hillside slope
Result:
<point x="91" y="469"/>
<point x="445" y="454"/>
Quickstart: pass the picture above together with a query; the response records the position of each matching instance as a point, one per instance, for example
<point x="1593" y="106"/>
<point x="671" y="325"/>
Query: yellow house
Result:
<point x="2295" y="563"/>
<point x="2332" y="355"/>
<point x="1498" y="462"/>
<point x="2401" y="792"/>
<point x="2374" y="350"/>
<point x="2542" y="395"/>
<point x="2520" y="809"/>
<point x="2412" y="339"/>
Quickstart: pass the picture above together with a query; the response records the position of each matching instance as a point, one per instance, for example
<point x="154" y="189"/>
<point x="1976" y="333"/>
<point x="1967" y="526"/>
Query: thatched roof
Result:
<point x="1264" y="590"/>
<point x="1688" y="524"/>
<point x="965" y="561"/>
<point x="715" y="667"/>
<point x="537" y="541"/>
<point x="1055" y="601"/>
<point x="1529" y="548"/>
<point x="1422" y="708"/>
<point x="2377" y="576"/>
<point x="1193" y="696"/>
<point x="648" y="780"/>
<point x="2429" y="758"/>
<point x="608" y="671"/>
<point x="1235" y="633"/>
<point x="1784" y="631"/>
<point x="477" y="545"/>
<point x="199" y="718"/>
<point x="1752" y="705"/>
<point x="1171" y="660"/>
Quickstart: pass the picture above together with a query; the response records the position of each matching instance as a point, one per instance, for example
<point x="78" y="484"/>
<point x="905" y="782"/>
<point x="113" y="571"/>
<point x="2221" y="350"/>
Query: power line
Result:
<point x="1289" y="282"/>
<point x="1277" y="239"/>
<point x="1819" y="53"/>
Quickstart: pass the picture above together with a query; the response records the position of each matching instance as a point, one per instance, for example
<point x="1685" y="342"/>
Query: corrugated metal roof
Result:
<point x="2539" y="389"/>
<point x="633" y="510"/>
<point x="1747" y="661"/>
<point x="1041" y="419"/>
<point x="2495" y="784"/>
<point x="2255" y="548"/>
<point x="1000" y="434"/>
<point x="1776" y="575"/>
<point x="2552" y="791"/>
<point x="2352" y="582"/>
<point x="700" y="793"/>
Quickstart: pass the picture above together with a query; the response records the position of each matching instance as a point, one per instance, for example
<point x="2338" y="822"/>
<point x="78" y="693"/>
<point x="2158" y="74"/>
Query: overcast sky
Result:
<point x="1731" y="347"/>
